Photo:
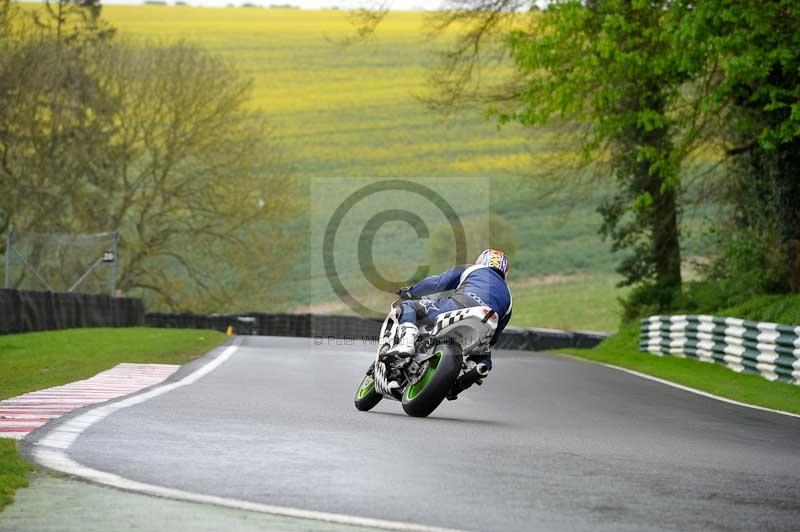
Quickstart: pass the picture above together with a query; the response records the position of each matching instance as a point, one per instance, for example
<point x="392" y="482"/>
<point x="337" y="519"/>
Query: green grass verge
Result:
<point x="622" y="350"/>
<point x="13" y="471"/>
<point x="33" y="361"/>
<point x="579" y="303"/>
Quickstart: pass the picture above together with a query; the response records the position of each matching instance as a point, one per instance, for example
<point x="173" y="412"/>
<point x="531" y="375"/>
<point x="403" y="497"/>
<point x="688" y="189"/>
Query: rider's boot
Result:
<point x="406" y="345"/>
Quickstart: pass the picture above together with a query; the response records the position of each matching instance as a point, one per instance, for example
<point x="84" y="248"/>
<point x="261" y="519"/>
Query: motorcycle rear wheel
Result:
<point x="422" y="397"/>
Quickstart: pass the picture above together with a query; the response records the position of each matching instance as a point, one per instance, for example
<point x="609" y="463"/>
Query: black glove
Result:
<point x="405" y="293"/>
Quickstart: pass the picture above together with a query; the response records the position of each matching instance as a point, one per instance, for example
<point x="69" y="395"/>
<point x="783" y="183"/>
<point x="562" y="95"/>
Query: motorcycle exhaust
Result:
<point x="473" y="376"/>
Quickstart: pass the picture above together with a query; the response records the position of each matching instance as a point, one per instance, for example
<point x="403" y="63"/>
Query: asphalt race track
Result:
<point x="548" y="443"/>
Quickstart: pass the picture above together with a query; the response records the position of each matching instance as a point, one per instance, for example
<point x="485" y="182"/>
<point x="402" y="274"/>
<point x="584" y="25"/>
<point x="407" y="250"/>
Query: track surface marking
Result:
<point x="25" y="413"/>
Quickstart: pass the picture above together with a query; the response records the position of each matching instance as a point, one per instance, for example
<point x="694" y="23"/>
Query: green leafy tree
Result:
<point x="612" y="66"/>
<point x="755" y="48"/>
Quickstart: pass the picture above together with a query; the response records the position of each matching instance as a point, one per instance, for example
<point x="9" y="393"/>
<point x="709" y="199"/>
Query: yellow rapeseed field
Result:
<point x="340" y="110"/>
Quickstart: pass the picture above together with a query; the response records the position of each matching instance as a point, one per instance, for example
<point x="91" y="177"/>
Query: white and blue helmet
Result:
<point x="494" y="258"/>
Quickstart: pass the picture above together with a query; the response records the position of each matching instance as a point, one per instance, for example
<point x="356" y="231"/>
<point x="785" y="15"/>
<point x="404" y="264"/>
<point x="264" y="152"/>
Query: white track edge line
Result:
<point x="50" y="452"/>
<point x="684" y="388"/>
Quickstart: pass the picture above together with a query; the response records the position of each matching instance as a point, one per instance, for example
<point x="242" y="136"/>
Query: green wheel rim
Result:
<point x="414" y="390"/>
<point x="367" y="385"/>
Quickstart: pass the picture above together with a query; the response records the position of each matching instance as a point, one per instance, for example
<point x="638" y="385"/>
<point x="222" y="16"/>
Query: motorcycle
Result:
<point x="440" y="366"/>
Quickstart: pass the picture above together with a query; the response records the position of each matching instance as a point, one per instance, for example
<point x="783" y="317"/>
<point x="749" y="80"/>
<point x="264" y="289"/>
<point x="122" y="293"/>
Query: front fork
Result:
<point x="386" y="340"/>
<point x="388" y="335"/>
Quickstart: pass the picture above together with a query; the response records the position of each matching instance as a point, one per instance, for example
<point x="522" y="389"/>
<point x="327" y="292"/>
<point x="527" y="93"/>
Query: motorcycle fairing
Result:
<point x="472" y="327"/>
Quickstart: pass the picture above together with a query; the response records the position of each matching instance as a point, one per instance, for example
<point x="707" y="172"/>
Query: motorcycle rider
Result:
<point x="481" y="284"/>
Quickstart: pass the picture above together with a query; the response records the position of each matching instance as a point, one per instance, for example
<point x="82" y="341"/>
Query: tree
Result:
<point x="71" y="21"/>
<point x="191" y="166"/>
<point x="158" y="141"/>
<point x="611" y="66"/>
<point x="755" y="46"/>
<point x="44" y="129"/>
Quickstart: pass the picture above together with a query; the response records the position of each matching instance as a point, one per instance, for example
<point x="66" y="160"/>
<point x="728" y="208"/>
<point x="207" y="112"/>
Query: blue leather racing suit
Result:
<point x="474" y="286"/>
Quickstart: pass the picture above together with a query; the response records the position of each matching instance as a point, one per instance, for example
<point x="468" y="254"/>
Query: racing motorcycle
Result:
<point x="440" y="367"/>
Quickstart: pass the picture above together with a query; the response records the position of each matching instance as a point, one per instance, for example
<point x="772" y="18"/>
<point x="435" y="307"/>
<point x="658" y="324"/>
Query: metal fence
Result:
<point x="771" y="350"/>
<point x="62" y="262"/>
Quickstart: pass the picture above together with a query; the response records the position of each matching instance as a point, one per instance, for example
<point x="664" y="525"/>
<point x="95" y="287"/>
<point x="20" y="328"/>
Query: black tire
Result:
<point x="425" y="401"/>
<point x="367" y="398"/>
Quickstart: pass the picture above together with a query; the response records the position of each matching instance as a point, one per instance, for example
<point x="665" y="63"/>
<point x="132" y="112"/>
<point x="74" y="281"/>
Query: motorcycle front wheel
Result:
<point x="366" y="396"/>
<point x="422" y="397"/>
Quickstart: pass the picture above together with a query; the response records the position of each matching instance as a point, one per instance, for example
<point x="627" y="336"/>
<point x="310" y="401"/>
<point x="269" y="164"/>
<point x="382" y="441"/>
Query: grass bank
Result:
<point x="13" y="471"/>
<point x="577" y="302"/>
<point x="622" y="349"/>
<point x="33" y="361"/>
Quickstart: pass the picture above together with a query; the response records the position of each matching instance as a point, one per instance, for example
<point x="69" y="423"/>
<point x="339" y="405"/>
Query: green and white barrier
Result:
<point x="768" y="349"/>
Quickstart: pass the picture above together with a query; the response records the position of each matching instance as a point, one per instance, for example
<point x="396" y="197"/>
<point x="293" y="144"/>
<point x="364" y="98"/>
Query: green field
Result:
<point x="33" y="361"/>
<point x="349" y="111"/>
<point x="586" y="303"/>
